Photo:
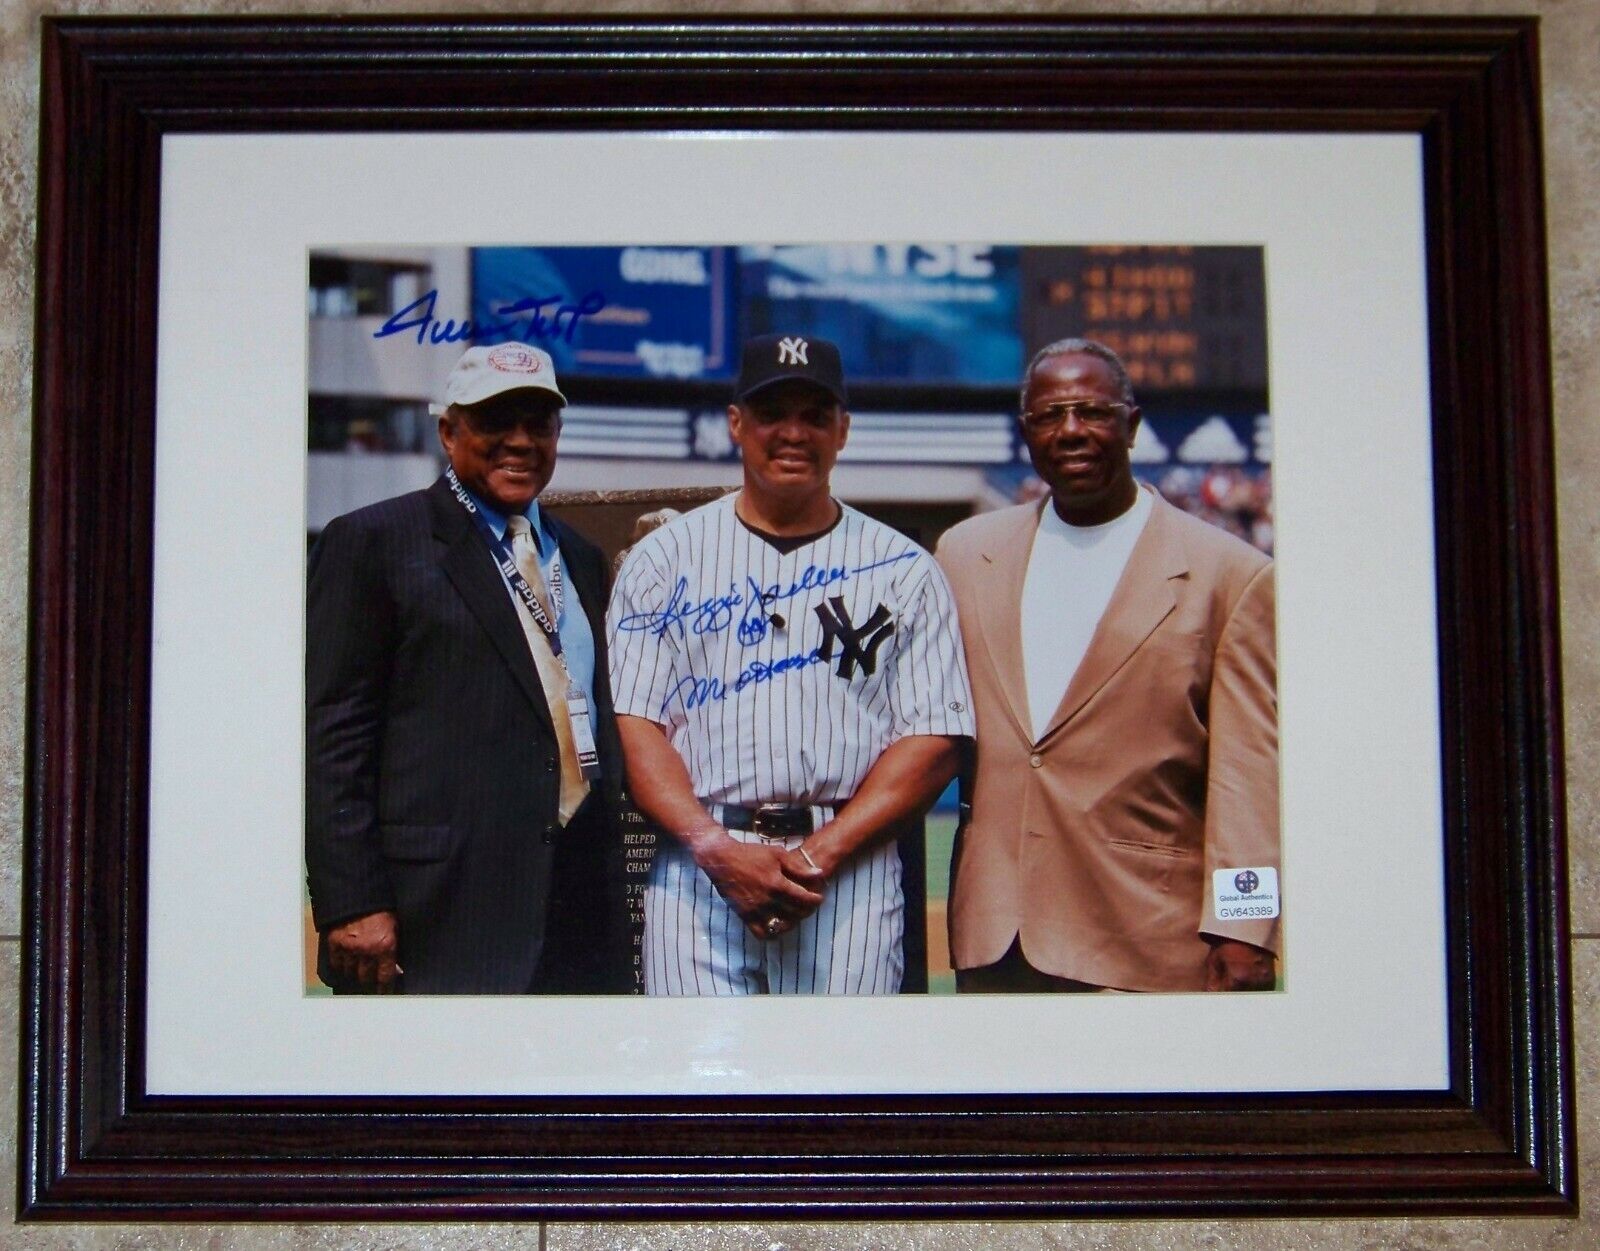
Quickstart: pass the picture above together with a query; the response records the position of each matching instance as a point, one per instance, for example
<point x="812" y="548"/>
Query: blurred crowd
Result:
<point x="1236" y="499"/>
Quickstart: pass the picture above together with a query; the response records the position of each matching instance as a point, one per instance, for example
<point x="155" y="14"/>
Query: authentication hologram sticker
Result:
<point x="1245" y="894"/>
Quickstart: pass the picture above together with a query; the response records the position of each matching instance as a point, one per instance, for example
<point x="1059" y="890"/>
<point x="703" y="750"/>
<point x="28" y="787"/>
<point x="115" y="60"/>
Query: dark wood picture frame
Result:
<point x="95" y="1145"/>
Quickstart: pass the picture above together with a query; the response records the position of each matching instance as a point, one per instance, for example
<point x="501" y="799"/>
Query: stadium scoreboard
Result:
<point x="1182" y="318"/>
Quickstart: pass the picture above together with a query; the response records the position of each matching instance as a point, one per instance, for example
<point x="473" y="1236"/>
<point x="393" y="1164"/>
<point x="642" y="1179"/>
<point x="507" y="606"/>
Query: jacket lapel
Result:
<point x="1004" y="566"/>
<point x="1141" y="601"/>
<point x="470" y="567"/>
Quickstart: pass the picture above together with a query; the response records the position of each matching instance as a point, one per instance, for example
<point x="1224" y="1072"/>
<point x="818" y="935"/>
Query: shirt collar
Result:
<point x="497" y="520"/>
<point x="1051" y="522"/>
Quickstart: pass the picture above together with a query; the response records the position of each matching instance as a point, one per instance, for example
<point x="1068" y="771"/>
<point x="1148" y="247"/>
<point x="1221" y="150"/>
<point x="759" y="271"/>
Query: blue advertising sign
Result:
<point x="652" y="312"/>
<point x="918" y="313"/>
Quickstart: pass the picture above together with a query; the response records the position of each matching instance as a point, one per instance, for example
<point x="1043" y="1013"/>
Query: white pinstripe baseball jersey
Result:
<point x="781" y="677"/>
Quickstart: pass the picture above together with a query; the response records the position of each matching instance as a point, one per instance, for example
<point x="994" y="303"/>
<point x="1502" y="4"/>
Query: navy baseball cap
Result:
<point x="779" y="357"/>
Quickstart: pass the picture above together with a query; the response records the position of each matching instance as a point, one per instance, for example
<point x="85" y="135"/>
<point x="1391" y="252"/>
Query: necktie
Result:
<point x="552" y="673"/>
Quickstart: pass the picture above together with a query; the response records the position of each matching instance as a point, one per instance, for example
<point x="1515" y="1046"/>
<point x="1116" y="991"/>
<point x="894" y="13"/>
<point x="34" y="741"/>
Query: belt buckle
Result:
<point x="770" y="821"/>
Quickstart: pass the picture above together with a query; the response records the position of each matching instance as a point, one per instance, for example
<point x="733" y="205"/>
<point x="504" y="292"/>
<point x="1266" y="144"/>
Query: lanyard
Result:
<point x="508" y="567"/>
<point x="588" y="755"/>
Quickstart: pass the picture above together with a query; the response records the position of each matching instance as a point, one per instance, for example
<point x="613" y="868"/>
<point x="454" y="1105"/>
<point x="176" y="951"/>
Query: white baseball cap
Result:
<point x="485" y="372"/>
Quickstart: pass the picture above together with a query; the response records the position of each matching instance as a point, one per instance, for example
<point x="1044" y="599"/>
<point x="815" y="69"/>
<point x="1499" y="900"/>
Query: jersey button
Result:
<point x="549" y="764"/>
<point x="548" y="835"/>
<point x="1036" y="761"/>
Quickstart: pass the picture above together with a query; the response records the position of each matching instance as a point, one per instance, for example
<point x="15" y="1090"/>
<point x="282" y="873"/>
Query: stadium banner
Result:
<point x="929" y="313"/>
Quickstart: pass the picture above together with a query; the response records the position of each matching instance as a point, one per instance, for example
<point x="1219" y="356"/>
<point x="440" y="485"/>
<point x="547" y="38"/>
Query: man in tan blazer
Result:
<point x="1124" y="824"/>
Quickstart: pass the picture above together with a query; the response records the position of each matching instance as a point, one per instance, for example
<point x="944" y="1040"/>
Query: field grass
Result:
<point x="940" y="836"/>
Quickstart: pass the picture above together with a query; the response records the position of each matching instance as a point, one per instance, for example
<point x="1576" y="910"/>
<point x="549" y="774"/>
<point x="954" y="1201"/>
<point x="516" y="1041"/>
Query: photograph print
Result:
<point x="790" y="619"/>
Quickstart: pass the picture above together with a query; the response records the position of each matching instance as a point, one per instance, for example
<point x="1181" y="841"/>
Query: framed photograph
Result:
<point x="236" y="217"/>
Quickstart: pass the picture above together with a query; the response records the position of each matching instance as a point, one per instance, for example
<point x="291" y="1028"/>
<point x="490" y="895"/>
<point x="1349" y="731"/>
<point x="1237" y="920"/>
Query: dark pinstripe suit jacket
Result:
<point x="431" y="770"/>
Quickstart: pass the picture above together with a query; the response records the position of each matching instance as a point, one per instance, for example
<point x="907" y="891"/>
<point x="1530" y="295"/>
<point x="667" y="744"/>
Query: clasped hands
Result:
<point x="771" y="888"/>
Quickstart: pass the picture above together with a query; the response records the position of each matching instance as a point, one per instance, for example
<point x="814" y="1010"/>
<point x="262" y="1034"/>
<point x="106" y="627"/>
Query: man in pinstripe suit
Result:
<point x="462" y="763"/>
<point x="791" y="691"/>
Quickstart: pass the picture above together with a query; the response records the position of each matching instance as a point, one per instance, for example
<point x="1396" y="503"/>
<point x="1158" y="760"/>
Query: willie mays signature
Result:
<point x="526" y="320"/>
<point x="748" y="609"/>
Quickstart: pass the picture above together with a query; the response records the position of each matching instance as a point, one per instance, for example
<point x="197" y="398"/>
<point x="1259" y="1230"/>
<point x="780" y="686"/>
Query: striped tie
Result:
<point x="552" y="673"/>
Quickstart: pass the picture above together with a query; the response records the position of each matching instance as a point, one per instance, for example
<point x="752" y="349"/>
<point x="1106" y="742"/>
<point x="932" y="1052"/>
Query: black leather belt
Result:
<point x="768" y="820"/>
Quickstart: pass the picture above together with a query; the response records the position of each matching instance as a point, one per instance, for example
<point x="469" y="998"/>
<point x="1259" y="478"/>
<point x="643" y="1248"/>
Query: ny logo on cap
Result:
<point x="792" y="352"/>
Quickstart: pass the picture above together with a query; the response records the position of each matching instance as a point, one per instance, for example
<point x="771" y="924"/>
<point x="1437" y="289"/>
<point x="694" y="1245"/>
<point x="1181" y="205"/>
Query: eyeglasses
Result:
<point x="498" y="421"/>
<point x="1088" y="412"/>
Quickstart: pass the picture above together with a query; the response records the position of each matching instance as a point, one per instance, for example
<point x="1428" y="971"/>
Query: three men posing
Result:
<point x="791" y="691"/>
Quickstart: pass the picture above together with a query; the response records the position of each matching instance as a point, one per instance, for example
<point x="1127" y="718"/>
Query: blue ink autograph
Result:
<point x="693" y="691"/>
<point x="527" y="320"/>
<point x="716" y="613"/>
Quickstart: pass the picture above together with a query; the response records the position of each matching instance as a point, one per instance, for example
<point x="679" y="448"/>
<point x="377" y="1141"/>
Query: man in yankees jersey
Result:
<point x="791" y="692"/>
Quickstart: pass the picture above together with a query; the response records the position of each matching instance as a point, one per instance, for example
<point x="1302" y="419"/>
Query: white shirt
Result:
<point x="1072" y="572"/>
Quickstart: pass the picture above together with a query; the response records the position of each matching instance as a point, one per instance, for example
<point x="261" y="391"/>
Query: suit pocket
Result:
<point x="1165" y="850"/>
<point x="1155" y="864"/>
<point x="417" y="843"/>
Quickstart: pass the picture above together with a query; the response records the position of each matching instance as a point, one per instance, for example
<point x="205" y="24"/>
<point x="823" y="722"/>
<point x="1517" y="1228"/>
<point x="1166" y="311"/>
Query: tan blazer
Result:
<point x="1096" y="844"/>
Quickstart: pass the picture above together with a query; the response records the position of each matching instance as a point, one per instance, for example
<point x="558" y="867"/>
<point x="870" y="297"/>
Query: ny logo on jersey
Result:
<point x="793" y="351"/>
<point x="858" y="645"/>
